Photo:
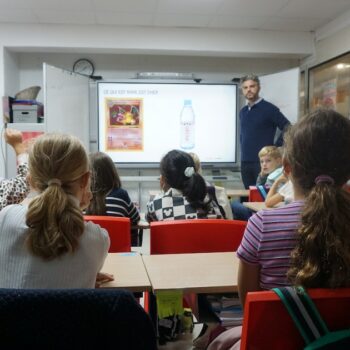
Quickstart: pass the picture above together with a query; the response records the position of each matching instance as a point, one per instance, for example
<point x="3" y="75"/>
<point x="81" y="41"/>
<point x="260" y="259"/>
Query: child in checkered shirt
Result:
<point x="184" y="193"/>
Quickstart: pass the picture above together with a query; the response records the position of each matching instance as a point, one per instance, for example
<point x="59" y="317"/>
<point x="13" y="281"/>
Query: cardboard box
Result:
<point x="25" y="113"/>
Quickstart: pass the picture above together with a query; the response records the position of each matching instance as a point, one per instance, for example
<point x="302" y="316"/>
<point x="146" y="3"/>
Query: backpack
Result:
<point x="309" y="322"/>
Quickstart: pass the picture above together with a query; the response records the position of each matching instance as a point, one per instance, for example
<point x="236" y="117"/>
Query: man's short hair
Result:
<point x="250" y="77"/>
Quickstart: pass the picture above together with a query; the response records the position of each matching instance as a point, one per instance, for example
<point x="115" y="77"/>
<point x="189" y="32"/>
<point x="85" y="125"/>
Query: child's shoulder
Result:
<point x="275" y="174"/>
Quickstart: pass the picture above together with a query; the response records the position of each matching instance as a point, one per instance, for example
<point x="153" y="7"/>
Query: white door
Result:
<point x="66" y="102"/>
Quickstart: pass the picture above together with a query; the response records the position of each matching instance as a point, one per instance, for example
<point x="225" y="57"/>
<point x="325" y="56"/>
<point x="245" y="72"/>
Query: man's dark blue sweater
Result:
<point x="258" y="129"/>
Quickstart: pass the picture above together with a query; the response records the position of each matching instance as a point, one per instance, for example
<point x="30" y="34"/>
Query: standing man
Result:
<point x="259" y="122"/>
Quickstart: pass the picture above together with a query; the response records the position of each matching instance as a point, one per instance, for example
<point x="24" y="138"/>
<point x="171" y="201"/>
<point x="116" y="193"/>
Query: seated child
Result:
<point x="46" y="243"/>
<point x="280" y="191"/>
<point x="271" y="169"/>
<point x="218" y="194"/>
<point x="271" y="165"/>
<point x="313" y="243"/>
<point x="14" y="190"/>
<point x="185" y="194"/>
<point x="109" y="198"/>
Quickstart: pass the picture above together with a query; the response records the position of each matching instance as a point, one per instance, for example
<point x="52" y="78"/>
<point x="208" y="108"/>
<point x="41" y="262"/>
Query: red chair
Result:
<point x="195" y="236"/>
<point x="267" y="325"/>
<point x="118" y="229"/>
<point x="255" y="195"/>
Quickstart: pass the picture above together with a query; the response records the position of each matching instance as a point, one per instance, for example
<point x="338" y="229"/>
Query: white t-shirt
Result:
<point x="287" y="192"/>
<point x="273" y="176"/>
<point x="19" y="268"/>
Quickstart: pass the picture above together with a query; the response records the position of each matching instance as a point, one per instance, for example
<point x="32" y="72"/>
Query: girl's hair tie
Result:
<point x="54" y="181"/>
<point x="189" y="171"/>
<point x="324" y="178"/>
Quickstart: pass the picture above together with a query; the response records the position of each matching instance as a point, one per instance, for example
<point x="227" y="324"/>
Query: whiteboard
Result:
<point x="282" y="89"/>
<point x="140" y="121"/>
<point x="66" y="102"/>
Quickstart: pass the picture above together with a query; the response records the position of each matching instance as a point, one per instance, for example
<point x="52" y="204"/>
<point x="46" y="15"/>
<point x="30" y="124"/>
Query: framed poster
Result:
<point x="329" y="85"/>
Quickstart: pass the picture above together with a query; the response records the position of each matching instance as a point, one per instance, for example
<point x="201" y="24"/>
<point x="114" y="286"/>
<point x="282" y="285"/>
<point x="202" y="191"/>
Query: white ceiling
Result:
<point x="278" y="15"/>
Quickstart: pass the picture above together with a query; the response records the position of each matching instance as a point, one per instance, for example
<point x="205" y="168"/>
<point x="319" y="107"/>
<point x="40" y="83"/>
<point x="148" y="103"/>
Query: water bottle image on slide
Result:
<point x="187" y="126"/>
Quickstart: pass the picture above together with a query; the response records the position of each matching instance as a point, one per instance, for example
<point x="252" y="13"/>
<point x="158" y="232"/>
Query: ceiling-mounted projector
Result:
<point x="165" y="75"/>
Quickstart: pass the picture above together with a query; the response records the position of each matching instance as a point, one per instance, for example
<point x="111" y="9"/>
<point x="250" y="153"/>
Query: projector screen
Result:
<point x="140" y="122"/>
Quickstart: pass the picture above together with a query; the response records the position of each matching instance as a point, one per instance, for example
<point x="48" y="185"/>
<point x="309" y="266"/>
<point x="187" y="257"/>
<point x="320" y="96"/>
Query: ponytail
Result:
<point x="54" y="219"/>
<point x="317" y="151"/>
<point x="325" y="223"/>
<point x="178" y="169"/>
<point x="55" y="223"/>
<point x="195" y="191"/>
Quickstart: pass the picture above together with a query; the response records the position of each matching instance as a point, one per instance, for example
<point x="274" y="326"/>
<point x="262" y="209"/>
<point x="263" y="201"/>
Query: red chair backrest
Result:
<point x="196" y="236"/>
<point x="118" y="229"/>
<point x="267" y="325"/>
<point x="346" y="188"/>
<point x="255" y="195"/>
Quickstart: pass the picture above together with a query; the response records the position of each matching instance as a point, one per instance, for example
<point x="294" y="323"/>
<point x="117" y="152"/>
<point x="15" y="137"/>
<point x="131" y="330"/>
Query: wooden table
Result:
<point x="128" y="270"/>
<point x="237" y="192"/>
<point x="256" y="206"/>
<point x="193" y="273"/>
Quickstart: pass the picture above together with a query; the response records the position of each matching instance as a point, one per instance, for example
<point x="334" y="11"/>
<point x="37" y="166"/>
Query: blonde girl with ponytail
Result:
<point x="46" y="244"/>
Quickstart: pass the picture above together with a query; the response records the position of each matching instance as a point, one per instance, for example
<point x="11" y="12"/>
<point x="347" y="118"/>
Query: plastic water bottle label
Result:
<point x="187" y="126"/>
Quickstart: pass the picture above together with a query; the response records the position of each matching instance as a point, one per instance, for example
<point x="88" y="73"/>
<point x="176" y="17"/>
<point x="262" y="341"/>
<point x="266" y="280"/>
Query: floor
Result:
<point x="184" y="342"/>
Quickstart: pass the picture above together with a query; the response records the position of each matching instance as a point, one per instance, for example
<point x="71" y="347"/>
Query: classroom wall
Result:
<point x="137" y="41"/>
<point x="332" y="46"/>
<point x="119" y="52"/>
<point x="12" y="72"/>
<point x="331" y="41"/>
<point x="125" y="66"/>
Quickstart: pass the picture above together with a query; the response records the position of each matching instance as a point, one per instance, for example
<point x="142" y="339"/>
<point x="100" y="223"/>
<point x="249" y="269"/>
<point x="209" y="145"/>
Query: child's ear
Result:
<point x="161" y="181"/>
<point x="84" y="180"/>
<point x="163" y="184"/>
